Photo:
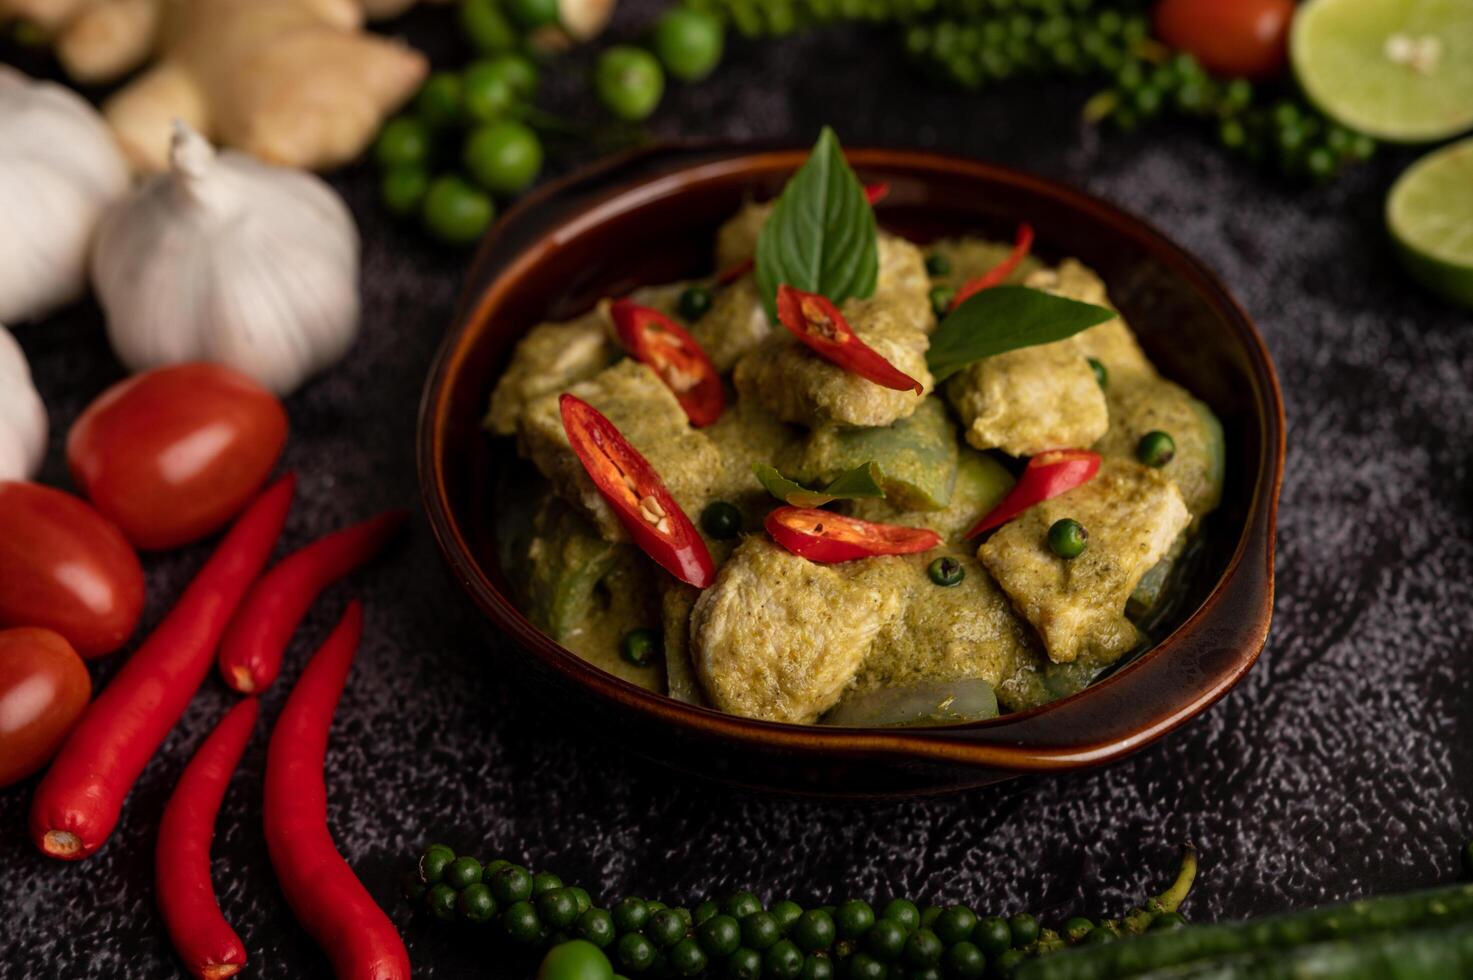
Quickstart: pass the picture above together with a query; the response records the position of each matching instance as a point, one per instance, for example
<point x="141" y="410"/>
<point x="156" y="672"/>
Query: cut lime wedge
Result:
<point x="1398" y="70"/>
<point x="1430" y="214"/>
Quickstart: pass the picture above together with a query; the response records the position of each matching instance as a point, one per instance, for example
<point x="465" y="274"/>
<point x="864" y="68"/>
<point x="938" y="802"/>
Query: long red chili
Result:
<point x="77" y="804"/>
<point x="998" y="274"/>
<point x="203" y="939"/>
<point x="250" y="653"/>
<point x="823" y="536"/>
<point x="677" y="357"/>
<point x="822" y="328"/>
<point x="636" y="494"/>
<point x="324" y="894"/>
<point x="1046" y="476"/>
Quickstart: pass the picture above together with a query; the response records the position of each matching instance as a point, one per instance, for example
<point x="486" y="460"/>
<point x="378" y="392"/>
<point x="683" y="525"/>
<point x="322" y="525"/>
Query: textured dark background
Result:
<point x="1342" y="765"/>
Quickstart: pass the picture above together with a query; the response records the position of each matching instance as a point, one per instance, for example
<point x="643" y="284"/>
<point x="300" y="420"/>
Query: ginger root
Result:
<point x="294" y="82"/>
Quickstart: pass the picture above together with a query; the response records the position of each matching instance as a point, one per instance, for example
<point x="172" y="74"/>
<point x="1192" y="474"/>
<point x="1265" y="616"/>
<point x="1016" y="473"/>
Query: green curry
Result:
<point x="779" y="637"/>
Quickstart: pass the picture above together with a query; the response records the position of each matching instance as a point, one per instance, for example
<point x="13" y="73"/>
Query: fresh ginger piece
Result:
<point x="107" y="40"/>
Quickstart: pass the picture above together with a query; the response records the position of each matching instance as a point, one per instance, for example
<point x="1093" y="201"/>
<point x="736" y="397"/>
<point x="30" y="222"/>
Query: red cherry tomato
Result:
<point x="1247" y="38"/>
<point x="43" y="688"/>
<point x="63" y="567"/>
<point x="173" y="454"/>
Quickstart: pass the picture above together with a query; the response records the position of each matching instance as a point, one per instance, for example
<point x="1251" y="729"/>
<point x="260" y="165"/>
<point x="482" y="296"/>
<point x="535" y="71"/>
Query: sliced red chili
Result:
<point x="876" y="192"/>
<point x="998" y="274"/>
<point x="1046" y="476"/>
<point x="823" y="536"/>
<point x="819" y="324"/>
<point x="637" y="494"/>
<point x="653" y="338"/>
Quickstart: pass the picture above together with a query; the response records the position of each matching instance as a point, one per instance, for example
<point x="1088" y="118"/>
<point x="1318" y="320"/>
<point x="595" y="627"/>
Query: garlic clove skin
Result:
<point x="59" y="170"/>
<point x="231" y="260"/>
<point x="23" y="425"/>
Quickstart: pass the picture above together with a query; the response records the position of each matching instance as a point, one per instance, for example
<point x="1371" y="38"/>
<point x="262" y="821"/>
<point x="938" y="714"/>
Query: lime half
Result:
<point x="1398" y="70"/>
<point x="1430" y="214"/>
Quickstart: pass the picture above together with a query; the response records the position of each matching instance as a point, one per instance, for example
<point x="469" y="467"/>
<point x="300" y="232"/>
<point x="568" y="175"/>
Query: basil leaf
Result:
<point x="820" y="237"/>
<point x="862" y="481"/>
<point x="1006" y="318"/>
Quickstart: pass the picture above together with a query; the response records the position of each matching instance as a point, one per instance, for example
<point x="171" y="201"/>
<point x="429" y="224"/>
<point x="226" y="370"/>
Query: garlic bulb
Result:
<point x="231" y="260"/>
<point x="22" y="416"/>
<point x="59" y="170"/>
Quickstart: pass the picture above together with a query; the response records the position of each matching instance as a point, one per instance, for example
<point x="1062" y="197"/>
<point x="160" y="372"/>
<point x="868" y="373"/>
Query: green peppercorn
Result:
<point x="814" y="931"/>
<point x="630" y="915"/>
<point x="1156" y="448"/>
<point x="689" y="42"/>
<point x="1102" y="373"/>
<point x="760" y="930"/>
<point x="924" y="973"/>
<point x="640" y="646"/>
<point x="486" y="94"/>
<point x="557" y="907"/>
<point x="476" y="903"/>
<point x="486" y="27"/>
<point x="462" y="872"/>
<point x="1007" y="962"/>
<point x="930" y="915"/>
<point x="946" y="572"/>
<point x="719" y="936"/>
<point x="721" y="520"/>
<point x="782" y="961"/>
<point x="687" y="958"/>
<point x="629" y="81"/>
<point x="694" y="302"/>
<point x="853" y="919"/>
<point x="503" y="156"/>
<point x="404" y="140"/>
<point x="705" y="911"/>
<point x="955" y="924"/>
<point x="544" y="882"/>
<point x="433" y="862"/>
<point x="489" y="871"/>
<point x="440" y="901"/>
<point x="744" y="964"/>
<point x="965" y="961"/>
<point x="1024" y="928"/>
<point x="992" y="936"/>
<point x="412" y="886"/>
<point x="817" y="966"/>
<point x="517" y="70"/>
<point x="456" y="212"/>
<point x="902" y="911"/>
<point x="885" y="940"/>
<point x="634" y="952"/>
<point x="1098" y="936"/>
<point x="937" y="265"/>
<point x="580" y="899"/>
<point x="403" y="188"/>
<point x="665" y="928"/>
<point x="785" y="913"/>
<point x="743" y="904"/>
<point x="1067" y="538"/>
<point x="1077" y="928"/>
<point x="511" y="884"/>
<point x="597" y="926"/>
<point x="941" y="297"/>
<point x="862" y="966"/>
<point x="924" y="948"/>
<point x="521" y="923"/>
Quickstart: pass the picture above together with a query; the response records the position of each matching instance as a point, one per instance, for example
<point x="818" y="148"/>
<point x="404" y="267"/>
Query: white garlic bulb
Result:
<point x="22" y="416"/>
<point x="59" y="170"/>
<point x="231" y="260"/>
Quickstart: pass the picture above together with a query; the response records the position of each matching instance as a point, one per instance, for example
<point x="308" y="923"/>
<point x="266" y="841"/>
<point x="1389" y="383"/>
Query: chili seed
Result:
<point x="1067" y="538"/>
<point x="639" y="646"/>
<point x="1156" y="448"/>
<point x="945" y="572"/>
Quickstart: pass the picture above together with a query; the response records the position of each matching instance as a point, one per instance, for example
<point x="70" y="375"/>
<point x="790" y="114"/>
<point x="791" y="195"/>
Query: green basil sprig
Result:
<point x="1006" y="318"/>
<point x="862" y="481"/>
<point x="820" y="237"/>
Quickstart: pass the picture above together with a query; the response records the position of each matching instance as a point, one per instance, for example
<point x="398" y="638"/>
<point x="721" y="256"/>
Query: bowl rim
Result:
<point x="947" y="745"/>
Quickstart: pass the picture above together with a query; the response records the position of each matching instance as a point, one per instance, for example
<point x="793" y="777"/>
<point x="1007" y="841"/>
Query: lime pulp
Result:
<point x="1430" y="215"/>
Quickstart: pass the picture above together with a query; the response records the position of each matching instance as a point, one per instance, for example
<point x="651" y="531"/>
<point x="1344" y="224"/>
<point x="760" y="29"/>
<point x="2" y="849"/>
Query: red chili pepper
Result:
<point x="999" y="273"/>
<point x="324" y="894"/>
<point x="876" y="192"/>
<point x="203" y="939"/>
<point x="77" y="804"/>
<point x="639" y="498"/>
<point x="1046" y="476"/>
<point x="823" y="536"/>
<point x="819" y="324"/>
<point x="655" y="339"/>
<point x="250" y="653"/>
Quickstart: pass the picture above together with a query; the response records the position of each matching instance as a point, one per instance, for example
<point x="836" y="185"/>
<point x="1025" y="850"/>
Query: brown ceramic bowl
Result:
<point x="649" y="217"/>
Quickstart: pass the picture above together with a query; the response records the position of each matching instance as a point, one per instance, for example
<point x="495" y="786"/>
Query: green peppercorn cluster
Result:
<point x="766" y="18"/>
<point x="1283" y="131"/>
<point x="740" y="938"/>
<point x="976" y="51"/>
